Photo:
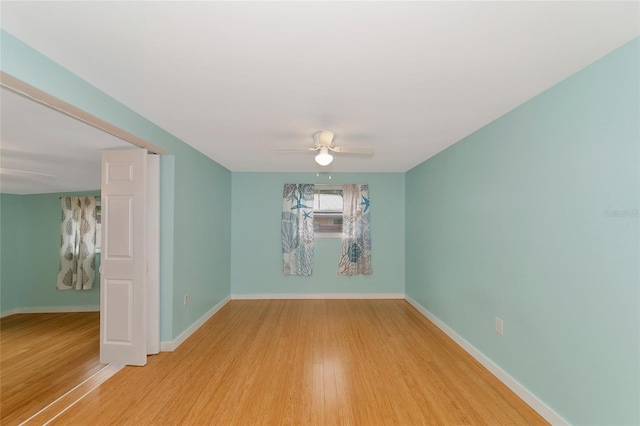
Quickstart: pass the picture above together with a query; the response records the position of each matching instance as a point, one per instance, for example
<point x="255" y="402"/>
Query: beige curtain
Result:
<point x="297" y="229"/>
<point x="355" y="258"/>
<point x="77" y="269"/>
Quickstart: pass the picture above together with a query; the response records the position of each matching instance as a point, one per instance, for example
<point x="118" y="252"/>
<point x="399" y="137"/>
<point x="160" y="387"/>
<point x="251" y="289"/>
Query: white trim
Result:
<point x="25" y="89"/>
<point x="153" y="254"/>
<point x="173" y="345"/>
<point x="329" y="186"/>
<point x="166" y="346"/>
<point x="271" y="296"/>
<point x="327" y="235"/>
<point x="544" y="410"/>
<point x="50" y="310"/>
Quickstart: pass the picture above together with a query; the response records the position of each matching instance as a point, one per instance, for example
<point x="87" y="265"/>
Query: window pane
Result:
<point x="327" y="202"/>
<point x="327" y="222"/>
<point x="327" y="211"/>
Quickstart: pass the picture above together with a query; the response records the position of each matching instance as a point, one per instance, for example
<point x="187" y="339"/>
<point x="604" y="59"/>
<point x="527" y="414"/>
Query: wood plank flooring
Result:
<point x="307" y="362"/>
<point x="43" y="356"/>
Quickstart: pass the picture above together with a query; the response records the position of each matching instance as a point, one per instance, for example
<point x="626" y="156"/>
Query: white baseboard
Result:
<point x="173" y="345"/>
<point x="50" y="310"/>
<point x="540" y="407"/>
<point x="272" y="296"/>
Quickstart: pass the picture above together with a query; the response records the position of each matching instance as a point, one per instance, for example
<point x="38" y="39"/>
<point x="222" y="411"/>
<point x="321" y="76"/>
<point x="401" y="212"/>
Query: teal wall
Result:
<point x="199" y="188"/>
<point x="256" y="254"/>
<point x="534" y="219"/>
<point x="11" y="249"/>
<point x="202" y="237"/>
<point x="30" y="236"/>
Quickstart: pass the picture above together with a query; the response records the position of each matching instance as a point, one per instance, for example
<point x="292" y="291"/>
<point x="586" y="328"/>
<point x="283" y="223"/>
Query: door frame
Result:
<point x="29" y="91"/>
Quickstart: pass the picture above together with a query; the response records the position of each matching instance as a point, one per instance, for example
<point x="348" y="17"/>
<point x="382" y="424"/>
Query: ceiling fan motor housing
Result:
<point x="323" y="138"/>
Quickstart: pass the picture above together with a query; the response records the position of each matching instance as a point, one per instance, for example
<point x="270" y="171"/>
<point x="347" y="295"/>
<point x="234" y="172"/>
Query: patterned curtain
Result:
<point x="297" y="229"/>
<point x="77" y="243"/>
<point x="356" y="233"/>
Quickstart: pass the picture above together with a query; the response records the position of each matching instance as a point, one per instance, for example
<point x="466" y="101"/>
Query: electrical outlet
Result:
<point x="186" y="299"/>
<point x="499" y="326"/>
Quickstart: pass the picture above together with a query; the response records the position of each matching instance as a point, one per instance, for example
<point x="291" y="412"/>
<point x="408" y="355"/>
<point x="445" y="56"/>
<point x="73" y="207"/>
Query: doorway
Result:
<point x="15" y="151"/>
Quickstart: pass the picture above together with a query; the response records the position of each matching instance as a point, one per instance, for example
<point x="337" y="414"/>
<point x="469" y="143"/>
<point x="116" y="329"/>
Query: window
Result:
<point x="327" y="211"/>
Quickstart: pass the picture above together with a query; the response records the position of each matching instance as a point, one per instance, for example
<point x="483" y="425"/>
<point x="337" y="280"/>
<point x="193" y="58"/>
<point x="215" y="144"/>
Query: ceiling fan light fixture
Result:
<point x="324" y="158"/>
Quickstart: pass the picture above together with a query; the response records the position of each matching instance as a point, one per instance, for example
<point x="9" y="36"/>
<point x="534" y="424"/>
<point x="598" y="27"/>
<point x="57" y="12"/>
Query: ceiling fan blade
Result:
<point x="296" y="149"/>
<point x="353" y="150"/>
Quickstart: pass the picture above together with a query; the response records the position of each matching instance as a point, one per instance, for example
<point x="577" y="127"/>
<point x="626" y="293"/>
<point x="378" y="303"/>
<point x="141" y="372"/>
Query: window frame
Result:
<point x="327" y="235"/>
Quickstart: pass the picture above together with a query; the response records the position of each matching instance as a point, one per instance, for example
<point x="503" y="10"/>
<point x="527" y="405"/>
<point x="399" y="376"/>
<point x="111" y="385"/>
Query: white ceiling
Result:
<point x="45" y="151"/>
<point x="236" y="80"/>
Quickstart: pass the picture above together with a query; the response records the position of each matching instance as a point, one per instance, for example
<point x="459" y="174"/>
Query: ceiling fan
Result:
<point x="323" y="142"/>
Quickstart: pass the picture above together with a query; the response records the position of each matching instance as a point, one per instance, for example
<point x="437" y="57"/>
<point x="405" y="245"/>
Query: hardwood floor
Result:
<point x="42" y="356"/>
<point x="307" y="362"/>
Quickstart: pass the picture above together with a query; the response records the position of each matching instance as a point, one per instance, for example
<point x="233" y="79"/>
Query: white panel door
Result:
<point x="123" y="278"/>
